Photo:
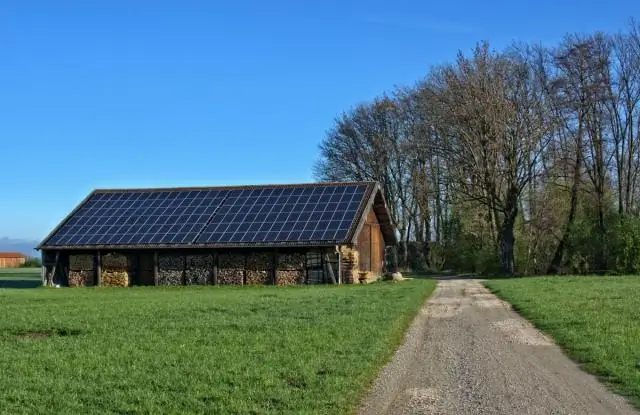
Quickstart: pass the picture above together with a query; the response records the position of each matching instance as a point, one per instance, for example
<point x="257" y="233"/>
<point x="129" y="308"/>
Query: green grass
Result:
<point x="595" y="319"/>
<point x="199" y="349"/>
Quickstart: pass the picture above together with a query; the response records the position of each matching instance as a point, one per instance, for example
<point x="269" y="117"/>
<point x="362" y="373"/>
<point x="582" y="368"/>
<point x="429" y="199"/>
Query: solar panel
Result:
<point x="290" y="214"/>
<point x="252" y="215"/>
<point x="132" y="218"/>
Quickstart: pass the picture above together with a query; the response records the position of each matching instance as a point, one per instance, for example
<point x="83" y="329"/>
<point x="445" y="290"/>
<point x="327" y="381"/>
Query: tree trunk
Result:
<point x="506" y="237"/>
<point x="558" y="256"/>
<point x="507" y="242"/>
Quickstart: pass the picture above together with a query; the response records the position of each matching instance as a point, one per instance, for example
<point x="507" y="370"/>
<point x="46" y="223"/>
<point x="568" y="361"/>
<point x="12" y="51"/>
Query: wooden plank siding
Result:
<point x="370" y="245"/>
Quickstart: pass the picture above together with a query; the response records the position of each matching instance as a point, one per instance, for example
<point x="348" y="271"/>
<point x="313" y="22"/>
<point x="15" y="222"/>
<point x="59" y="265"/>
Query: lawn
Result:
<point x="595" y="319"/>
<point x="199" y="349"/>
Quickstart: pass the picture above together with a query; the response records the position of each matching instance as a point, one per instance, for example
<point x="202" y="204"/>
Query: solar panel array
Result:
<point x="262" y="215"/>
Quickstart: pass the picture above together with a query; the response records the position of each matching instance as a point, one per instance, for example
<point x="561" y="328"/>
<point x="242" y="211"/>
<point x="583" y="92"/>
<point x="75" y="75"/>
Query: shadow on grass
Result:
<point x="452" y="275"/>
<point x="19" y="281"/>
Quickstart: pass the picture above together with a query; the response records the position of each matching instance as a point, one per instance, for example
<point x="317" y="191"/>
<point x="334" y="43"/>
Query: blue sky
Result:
<point x="180" y="93"/>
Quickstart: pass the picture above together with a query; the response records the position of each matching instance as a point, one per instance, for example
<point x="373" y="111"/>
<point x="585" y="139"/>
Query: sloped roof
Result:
<point x="12" y="255"/>
<point x="308" y="214"/>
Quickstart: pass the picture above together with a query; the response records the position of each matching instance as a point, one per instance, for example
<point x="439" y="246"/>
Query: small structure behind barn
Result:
<point x="310" y="233"/>
<point x="11" y="259"/>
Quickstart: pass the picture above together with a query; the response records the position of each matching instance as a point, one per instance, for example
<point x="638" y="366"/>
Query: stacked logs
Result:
<point x="349" y="265"/>
<point x="115" y="270"/>
<point x="291" y="269"/>
<point x="259" y="268"/>
<point x="231" y="269"/>
<point x="81" y="270"/>
<point x="198" y="271"/>
<point x="170" y="269"/>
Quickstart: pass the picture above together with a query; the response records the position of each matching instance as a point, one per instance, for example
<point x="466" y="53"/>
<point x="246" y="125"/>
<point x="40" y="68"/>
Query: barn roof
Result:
<point x="308" y="214"/>
<point x="11" y="255"/>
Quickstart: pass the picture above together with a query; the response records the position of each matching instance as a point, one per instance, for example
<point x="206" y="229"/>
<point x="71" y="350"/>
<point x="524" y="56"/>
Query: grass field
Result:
<point x="199" y="349"/>
<point x="595" y="319"/>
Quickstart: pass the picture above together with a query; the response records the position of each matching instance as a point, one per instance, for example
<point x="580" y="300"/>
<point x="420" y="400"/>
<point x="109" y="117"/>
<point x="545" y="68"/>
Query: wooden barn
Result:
<point x="11" y="259"/>
<point x="309" y="233"/>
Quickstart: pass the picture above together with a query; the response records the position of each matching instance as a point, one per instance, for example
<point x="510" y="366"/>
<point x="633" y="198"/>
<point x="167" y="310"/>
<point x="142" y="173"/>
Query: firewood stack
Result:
<point x="115" y="270"/>
<point x="198" y="271"/>
<point x="170" y="269"/>
<point x="230" y="269"/>
<point x="81" y="270"/>
<point x="291" y="269"/>
<point x="259" y="268"/>
<point x="349" y="265"/>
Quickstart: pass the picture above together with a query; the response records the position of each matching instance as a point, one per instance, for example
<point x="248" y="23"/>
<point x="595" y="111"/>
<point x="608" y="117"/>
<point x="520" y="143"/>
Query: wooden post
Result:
<point x="155" y="268"/>
<point x="53" y="271"/>
<point x="43" y="268"/>
<point x="274" y="266"/>
<point x="329" y="268"/>
<point x="98" y="261"/>
<point x="244" y="270"/>
<point x="184" y="271"/>
<point x="215" y="267"/>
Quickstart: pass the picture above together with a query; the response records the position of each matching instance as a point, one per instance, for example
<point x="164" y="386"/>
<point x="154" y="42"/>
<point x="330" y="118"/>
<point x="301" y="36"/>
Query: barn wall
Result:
<point x="370" y="246"/>
<point x="11" y="262"/>
<point x="290" y="266"/>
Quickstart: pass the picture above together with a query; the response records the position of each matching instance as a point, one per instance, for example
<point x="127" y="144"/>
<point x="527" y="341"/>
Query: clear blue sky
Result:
<point x="169" y="93"/>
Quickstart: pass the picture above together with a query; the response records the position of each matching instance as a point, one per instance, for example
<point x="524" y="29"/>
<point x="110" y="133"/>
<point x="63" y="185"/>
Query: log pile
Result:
<point x="170" y="269"/>
<point x="198" y="271"/>
<point x="290" y="277"/>
<point x="81" y="270"/>
<point x="350" y="265"/>
<point x="115" y="270"/>
<point x="291" y="269"/>
<point x="231" y="269"/>
<point x="259" y="268"/>
<point x="80" y="278"/>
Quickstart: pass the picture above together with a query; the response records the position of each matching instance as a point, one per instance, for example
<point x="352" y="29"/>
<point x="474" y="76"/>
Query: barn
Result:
<point x="309" y="233"/>
<point x="11" y="259"/>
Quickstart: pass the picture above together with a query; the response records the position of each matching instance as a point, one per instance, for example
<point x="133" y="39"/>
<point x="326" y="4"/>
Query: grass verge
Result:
<point x="595" y="319"/>
<point x="199" y="349"/>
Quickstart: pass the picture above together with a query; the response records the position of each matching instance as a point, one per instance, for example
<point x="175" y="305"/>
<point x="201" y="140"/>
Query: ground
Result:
<point x="198" y="349"/>
<point x="595" y="319"/>
<point x="469" y="353"/>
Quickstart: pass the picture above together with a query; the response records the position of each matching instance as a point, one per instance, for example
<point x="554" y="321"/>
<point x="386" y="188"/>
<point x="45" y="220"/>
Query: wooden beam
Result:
<point x="215" y="268"/>
<point x="329" y="268"/>
<point x="155" y="268"/>
<point x="274" y="266"/>
<point x="53" y="270"/>
<point x="98" y="261"/>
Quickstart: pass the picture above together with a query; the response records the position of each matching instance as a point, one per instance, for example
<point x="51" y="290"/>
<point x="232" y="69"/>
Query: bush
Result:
<point x="32" y="262"/>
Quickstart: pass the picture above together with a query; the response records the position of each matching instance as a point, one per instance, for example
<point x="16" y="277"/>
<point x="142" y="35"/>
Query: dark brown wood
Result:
<point x="244" y="270"/>
<point x="155" y="268"/>
<point x="329" y="268"/>
<point x="98" y="260"/>
<point x="274" y="268"/>
<point x="215" y="268"/>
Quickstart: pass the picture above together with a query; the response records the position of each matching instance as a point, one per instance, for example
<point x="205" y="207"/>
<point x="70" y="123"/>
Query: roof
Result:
<point x="12" y="255"/>
<point x="276" y="215"/>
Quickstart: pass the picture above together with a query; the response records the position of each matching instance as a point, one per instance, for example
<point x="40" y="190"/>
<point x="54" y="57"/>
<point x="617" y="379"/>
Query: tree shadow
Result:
<point x="19" y="281"/>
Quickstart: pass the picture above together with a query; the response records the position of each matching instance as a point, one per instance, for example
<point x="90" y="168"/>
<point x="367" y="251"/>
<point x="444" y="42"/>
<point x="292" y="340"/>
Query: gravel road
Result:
<point x="469" y="353"/>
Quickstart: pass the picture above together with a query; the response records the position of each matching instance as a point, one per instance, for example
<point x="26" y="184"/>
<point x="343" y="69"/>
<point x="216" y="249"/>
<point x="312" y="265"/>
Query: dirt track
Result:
<point x="470" y="353"/>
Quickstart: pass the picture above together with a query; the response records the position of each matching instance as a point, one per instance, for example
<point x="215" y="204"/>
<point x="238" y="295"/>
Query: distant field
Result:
<point x="595" y="319"/>
<point x="199" y="349"/>
<point x="19" y="271"/>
